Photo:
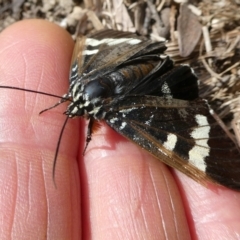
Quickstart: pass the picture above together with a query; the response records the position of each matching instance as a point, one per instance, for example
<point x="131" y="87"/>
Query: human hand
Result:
<point x="116" y="191"/>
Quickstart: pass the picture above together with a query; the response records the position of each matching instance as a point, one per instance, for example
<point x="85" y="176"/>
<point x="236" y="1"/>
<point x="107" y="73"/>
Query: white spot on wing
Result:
<point x="123" y="125"/>
<point x="113" y="120"/>
<point x="127" y="110"/>
<point x="90" y="52"/>
<point x="171" y="141"/>
<point x="201" y="150"/>
<point x="166" y="89"/>
<point x="111" y="41"/>
<point x="148" y="122"/>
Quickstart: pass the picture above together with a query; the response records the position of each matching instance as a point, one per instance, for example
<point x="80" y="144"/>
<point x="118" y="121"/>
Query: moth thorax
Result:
<point x="85" y="108"/>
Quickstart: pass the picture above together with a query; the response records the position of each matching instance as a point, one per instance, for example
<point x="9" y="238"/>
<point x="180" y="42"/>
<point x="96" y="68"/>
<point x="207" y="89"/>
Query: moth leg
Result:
<point x="55" y="105"/>
<point x="89" y="133"/>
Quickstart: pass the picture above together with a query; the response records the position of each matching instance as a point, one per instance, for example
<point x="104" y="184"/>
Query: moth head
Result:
<point x="97" y="89"/>
<point x="87" y="98"/>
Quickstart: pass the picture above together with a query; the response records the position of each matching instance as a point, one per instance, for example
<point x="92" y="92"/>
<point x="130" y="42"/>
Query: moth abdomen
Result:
<point x="116" y="82"/>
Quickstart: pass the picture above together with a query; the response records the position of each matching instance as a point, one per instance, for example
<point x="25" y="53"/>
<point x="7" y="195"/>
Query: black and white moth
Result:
<point x="130" y="83"/>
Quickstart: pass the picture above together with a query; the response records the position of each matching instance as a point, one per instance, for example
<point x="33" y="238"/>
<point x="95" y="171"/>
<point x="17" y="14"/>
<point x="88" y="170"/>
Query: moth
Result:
<point x="130" y="83"/>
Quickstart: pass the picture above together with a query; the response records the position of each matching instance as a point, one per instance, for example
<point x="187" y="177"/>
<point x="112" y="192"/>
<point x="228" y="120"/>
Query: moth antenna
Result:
<point x="55" y="105"/>
<point x="62" y="98"/>
<point x="33" y="91"/>
<point x="57" y="150"/>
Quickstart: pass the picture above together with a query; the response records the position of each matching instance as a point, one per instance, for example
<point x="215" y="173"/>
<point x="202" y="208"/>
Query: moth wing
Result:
<point x="166" y="80"/>
<point x="102" y="51"/>
<point x="77" y="58"/>
<point x="183" y="134"/>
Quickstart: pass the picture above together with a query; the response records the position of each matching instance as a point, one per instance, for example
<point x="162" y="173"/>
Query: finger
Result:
<point x="36" y="54"/>
<point x="127" y="193"/>
<point x="213" y="211"/>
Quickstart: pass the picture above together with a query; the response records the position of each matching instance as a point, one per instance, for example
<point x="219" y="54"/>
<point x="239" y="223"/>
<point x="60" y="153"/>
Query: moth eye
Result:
<point x="99" y="88"/>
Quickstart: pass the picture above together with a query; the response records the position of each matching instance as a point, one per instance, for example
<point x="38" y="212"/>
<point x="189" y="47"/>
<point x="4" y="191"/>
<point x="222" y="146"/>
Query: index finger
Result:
<point x="36" y="55"/>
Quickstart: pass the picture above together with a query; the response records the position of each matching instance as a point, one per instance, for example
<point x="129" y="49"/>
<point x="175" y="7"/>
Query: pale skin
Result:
<point x="116" y="191"/>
